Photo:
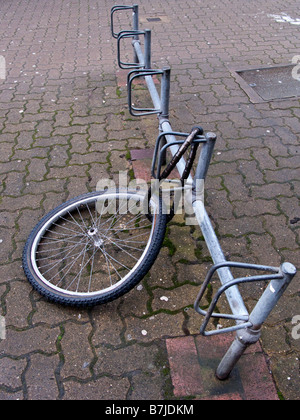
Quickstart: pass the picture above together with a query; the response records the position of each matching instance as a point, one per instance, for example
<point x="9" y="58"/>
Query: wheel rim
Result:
<point x="94" y="245"/>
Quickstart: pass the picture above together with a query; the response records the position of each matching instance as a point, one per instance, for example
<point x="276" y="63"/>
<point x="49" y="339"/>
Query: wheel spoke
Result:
<point x="122" y="249"/>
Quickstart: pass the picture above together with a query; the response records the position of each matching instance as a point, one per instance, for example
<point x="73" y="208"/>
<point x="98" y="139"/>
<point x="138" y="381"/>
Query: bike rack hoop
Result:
<point x="134" y="74"/>
<point x="129" y="34"/>
<point x="245" y="319"/>
<point x="159" y="151"/>
<point x="120" y="8"/>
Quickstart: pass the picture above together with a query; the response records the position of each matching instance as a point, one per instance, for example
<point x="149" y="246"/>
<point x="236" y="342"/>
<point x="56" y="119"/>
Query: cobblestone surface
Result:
<point x="64" y="125"/>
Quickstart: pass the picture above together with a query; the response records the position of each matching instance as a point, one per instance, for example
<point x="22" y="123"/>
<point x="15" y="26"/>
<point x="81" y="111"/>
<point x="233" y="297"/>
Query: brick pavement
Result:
<point x="64" y="124"/>
<point x="193" y="362"/>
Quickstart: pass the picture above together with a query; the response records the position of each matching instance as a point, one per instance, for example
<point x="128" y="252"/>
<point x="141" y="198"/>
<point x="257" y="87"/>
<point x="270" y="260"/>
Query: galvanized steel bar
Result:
<point x="250" y="324"/>
<point x="162" y="104"/>
<point x="233" y="295"/>
<point x="149" y="79"/>
<point x="135" y="8"/>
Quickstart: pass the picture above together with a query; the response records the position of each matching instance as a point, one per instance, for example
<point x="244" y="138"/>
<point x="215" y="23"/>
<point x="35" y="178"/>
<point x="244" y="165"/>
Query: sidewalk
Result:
<point x="64" y="125"/>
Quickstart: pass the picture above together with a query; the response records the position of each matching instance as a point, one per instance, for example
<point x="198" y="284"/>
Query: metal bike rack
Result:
<point x="248" y="326"/>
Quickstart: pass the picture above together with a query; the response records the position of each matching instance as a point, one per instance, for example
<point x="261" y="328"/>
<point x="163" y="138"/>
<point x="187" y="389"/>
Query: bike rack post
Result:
<point x="147" y="49"/>
<point x="165" y="92"/>
<point x="248" y="327"/>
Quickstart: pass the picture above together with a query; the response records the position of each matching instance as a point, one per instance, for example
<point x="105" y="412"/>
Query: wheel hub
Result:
<point x="94" y="235"/>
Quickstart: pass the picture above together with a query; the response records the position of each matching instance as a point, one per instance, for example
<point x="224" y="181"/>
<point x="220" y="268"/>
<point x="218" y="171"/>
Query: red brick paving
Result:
<point x="141" y="170"/>
<point x="141" y="160"/>
<point x="194" y="359"/>
<point x="185" y="368"/>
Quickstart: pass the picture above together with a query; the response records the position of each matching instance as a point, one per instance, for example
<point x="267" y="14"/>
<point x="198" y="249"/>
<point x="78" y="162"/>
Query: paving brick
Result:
<point x="224" y="397"/>
<point x="40" y="377"/>
<point x="140" y="154"/>
<point x="193" y="363"/>
<point x="142" y="170"/>
<point x="77" y="358"/>
<point x="18" y="343"/>
<point x="185" y="369"/>
<point x="257" y="381"/>
<point x="11" y="371"/>
<point x="102" y="389"/>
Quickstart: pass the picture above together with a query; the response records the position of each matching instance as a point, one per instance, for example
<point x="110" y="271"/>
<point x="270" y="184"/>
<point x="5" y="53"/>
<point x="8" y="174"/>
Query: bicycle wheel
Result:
<point x="94" y="248"/>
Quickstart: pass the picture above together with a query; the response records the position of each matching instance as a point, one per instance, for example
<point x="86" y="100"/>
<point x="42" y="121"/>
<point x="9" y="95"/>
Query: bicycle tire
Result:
<point x="78" y="237"/>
